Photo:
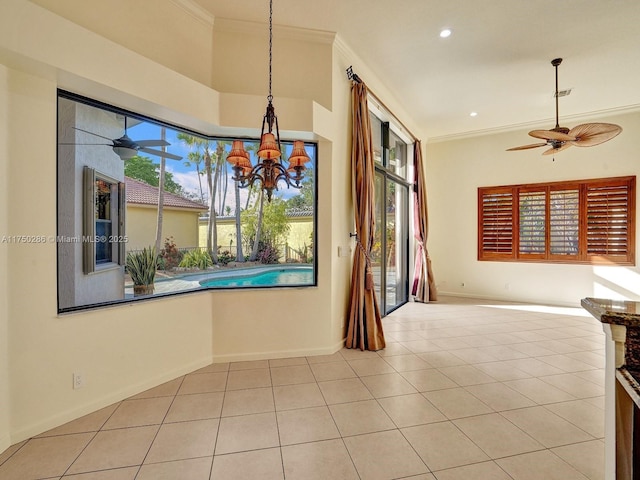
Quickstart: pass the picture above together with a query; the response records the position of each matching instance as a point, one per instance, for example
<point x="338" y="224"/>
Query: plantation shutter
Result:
<point x="610" y="220"/>
<point x="495" y="223"/>
<point x="564" y="222"/>
<point x="532" y="223"/>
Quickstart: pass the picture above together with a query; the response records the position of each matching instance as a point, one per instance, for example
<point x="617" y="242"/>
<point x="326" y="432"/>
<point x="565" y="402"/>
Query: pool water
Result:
<point x="283" y="276"/>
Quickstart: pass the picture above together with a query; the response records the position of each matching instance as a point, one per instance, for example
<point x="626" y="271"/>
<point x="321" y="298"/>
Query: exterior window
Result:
<point x="104" y="191"/>
<point x="103" y="233"/>
<point x="199" y="231"/>
<point x="586" y="221"/>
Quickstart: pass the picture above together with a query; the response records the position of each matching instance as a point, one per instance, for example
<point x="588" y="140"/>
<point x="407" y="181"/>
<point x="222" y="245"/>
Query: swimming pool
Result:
<point x="262" y="278"/>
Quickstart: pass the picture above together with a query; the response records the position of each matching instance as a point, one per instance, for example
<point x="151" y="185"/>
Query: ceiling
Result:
<point x="497" y="62"/>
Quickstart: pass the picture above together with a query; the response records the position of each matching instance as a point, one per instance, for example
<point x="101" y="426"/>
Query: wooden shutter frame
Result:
<point x="482" y="193"/>
<point x="582" y="257"/>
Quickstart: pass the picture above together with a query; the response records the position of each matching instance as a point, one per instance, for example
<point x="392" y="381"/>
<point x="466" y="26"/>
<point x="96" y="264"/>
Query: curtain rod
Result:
<point x="351" y="75"/>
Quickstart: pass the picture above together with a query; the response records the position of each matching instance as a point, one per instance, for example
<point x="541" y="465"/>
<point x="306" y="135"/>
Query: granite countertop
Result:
<point x="619" y="312"/>
<point x="627" y="314"/>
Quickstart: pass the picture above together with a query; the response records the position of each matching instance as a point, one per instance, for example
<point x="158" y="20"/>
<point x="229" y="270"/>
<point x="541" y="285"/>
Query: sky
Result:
<point x="187" y="176"/>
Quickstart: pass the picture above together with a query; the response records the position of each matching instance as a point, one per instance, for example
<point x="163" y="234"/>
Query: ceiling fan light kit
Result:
<point x="560" y="138"/>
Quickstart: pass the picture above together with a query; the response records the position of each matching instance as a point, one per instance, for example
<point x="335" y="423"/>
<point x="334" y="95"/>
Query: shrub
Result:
<point x="196" y="259"/>
<point x="170" y="256"/>
<point x="268" y="253"/>
<point x="225" y="257"/>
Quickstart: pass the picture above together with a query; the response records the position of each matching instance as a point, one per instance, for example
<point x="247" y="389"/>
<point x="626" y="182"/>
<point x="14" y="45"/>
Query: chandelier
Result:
<point x="269" y="170"/>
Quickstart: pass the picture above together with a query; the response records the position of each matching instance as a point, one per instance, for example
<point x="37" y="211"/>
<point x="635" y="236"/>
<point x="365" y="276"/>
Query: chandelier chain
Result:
<point x="270" y="97"/>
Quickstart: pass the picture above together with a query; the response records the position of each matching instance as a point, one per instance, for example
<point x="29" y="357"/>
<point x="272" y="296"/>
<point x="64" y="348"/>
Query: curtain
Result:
<point x="424" y="286"/>
<point x="364" y="328"/>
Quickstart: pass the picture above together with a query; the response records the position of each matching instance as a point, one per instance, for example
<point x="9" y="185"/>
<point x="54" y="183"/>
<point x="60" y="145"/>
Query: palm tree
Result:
<point x="202" y="144"/>
<point x="212" y="231"/>
<point x="194" y="158"/>
<point x="222" y="174"/>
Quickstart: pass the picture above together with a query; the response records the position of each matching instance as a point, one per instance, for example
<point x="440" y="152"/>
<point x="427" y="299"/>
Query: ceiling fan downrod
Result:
<point x="555" y="62"/>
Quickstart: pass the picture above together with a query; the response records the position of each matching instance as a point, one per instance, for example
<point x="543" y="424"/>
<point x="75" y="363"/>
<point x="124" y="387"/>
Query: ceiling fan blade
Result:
<point x="91" y="133"/>
<point x="526" y="147"/>
<point x="590" y="134"/>
<point x="152" y="143"/>
<point x="160" y="153"/>
<point x="551" y="135"/>
<point x="553" y="150"/>
<point x="100" y="144"/>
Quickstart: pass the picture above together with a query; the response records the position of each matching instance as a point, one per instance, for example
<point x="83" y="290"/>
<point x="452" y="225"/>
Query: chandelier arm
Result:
<point x="274" y="167"/>
<point x="292" y="182"/>
<point x="277" y="133"/>
<point x="254" y="178"/>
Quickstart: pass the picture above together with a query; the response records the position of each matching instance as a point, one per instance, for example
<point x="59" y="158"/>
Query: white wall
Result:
<point x="455" y="170"/>
<point x="164" y="31"/>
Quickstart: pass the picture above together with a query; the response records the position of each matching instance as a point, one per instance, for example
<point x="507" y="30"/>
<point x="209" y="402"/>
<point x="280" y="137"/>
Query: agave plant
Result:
<point x="141" y="266"/>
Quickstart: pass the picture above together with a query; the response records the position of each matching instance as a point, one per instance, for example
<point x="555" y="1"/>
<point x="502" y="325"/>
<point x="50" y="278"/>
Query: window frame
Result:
<point x="389" y="128"/>
<point x="499" y="222"/>
<point x="89" y="176"/>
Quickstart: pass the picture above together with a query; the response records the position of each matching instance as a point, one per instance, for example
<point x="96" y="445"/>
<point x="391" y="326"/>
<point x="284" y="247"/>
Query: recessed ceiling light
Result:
<point x="445" y="32"/>
<point x="473" y="114"/>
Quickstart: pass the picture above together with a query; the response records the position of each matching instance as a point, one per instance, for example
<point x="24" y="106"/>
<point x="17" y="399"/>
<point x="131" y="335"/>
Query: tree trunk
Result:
<point x="249" y="195"/>
<point x="239" y="252"/>
<point x="212" y="211"/>
<point x="200" y="181"/>
<point x="160" y="196"/>
<point x="256" y="241"/>
<point x="224" y="179"/>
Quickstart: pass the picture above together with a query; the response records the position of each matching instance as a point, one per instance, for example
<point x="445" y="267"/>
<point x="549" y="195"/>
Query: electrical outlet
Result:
<point x="78" y="380"/>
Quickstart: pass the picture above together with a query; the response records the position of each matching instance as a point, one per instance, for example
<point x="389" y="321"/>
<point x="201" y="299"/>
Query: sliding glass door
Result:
<point x="390" y="253"/>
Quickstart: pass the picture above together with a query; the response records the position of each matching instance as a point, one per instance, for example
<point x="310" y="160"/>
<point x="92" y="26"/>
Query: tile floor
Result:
<point x="464" y="390"/>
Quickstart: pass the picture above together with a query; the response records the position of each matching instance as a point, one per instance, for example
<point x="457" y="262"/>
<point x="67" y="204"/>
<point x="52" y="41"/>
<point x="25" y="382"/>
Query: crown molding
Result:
<point x="196" y="11"/>
<point x="282" y="31"/>
<point x="596" y="115"/>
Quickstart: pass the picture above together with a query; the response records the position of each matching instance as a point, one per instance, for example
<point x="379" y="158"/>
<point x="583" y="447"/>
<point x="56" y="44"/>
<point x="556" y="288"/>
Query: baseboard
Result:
<point x="500" y="298"/>
<point x="74" y="413"/>
<point x="234" y="357"/>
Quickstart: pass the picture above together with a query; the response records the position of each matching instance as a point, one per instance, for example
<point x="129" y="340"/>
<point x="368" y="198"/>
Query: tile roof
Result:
<point x="140" y="193"/>
<point x="295" y="212"/>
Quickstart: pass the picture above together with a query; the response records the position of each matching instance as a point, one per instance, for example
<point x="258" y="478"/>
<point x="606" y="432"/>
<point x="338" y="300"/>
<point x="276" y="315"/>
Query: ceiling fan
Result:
<point x="127" y="148"/>
<point x="561" y="138"/>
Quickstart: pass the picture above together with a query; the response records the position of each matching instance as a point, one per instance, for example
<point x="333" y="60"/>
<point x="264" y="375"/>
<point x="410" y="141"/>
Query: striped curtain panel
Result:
<point x="424" y="285"/>
<point x="364" y="328"/>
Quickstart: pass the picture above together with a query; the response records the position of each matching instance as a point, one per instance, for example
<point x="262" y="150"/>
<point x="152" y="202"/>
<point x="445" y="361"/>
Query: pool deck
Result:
<point x="191" y="281"/>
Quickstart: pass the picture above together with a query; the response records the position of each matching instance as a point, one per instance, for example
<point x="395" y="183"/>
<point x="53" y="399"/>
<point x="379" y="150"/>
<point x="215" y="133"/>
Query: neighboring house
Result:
<point x="180" y="216"/>
<point x="299" y="236"/>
